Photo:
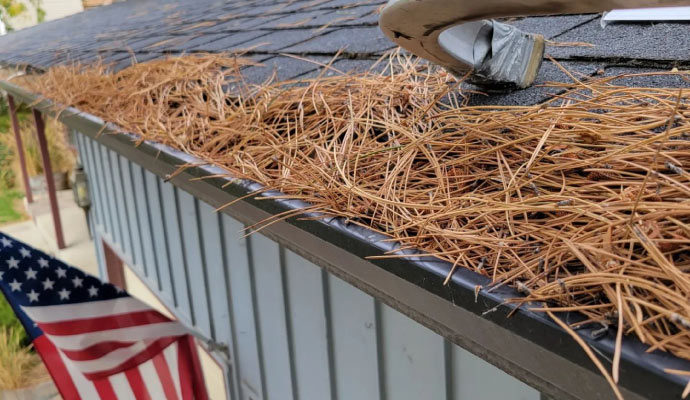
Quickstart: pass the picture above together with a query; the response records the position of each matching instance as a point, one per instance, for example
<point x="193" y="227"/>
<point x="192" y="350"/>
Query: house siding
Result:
<point x="293" y="330"/>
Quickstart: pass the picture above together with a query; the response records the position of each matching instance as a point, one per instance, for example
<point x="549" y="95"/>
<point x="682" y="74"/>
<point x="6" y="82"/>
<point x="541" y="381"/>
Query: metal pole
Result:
<point x="20" y="149"/>
<point x="50" y="180"/>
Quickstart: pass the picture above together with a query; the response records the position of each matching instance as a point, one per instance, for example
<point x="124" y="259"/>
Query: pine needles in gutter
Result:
<point x="580" y="203"/>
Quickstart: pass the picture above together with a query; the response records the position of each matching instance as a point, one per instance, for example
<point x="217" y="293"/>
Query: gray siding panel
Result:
<point x="132" y="212"/>
<point x="95" y="216"/>
<point x="189" y="225"/>
<point x="164" y="273"/>
<point x="270" y="309"/>
<point x="242" y="303"/>
<point x="354" y="341"/>
<point x="178" y="272"/>
<point x="309" y="331"/>
<point x="213" y="258"/>
<point x="96" y="157"/>
<point x="153" y="204"/>
<point x="114" y="227"/>
<point x="120" y="205"/>
<point x="146" y="234"/>
<point x="413" y="357"/>
<point x="469" y="370"/>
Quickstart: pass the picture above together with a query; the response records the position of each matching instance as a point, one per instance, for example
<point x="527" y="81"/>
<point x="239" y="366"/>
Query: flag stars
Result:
<point x="6" y="242"/>
<point x="48" y="284"/>
<point x="15" y="286"/>
<point x="77" y="281"/>
<point x="93" y="291"/>
<point x="42" y="262"/>
<point x="30" y="274"/>
<point x="33" y="296"/>
<point x="61" y="272"/>
<point x="64" y="294"/>
<point x="25" y="252"/>
<point x="12" y="263"/>
<point x="1" y="274"/>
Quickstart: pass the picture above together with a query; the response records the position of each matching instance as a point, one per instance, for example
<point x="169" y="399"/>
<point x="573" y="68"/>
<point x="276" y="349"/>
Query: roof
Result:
<point x="270" y="32"/>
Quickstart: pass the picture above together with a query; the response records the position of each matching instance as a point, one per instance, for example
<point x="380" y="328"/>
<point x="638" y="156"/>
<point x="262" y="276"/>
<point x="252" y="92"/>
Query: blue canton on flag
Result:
<point x="95" y="339"/>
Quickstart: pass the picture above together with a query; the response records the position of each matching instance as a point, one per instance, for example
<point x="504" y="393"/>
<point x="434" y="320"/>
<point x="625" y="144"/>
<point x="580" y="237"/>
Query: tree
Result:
<point x="12" y="8"/>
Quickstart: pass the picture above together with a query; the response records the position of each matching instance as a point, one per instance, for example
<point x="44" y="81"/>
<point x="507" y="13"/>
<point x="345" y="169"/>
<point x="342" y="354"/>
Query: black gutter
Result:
<point x="526" y="345"/>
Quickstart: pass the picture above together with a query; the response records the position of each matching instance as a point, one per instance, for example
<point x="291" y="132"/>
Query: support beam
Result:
<point x="50" y="179"/>
<point x="20" y="149"/>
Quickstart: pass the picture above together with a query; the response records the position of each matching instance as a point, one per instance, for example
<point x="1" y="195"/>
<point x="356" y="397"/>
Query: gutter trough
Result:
<point x="526" y="344"/>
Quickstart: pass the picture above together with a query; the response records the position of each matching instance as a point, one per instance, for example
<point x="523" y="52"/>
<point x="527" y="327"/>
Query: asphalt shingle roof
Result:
<point x="271" y="32"/>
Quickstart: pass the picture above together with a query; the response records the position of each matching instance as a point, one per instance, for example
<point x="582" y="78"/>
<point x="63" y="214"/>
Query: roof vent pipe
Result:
<point x="459" y="36"/>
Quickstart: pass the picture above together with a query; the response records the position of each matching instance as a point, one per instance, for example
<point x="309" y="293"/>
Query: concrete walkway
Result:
<point x="39" y="233"/>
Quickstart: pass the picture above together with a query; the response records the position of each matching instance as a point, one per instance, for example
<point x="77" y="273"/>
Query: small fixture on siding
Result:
<point x="80" y="190"/>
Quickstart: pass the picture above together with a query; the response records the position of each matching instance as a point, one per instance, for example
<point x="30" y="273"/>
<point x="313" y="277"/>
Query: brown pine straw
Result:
<point x="581" y="203"/>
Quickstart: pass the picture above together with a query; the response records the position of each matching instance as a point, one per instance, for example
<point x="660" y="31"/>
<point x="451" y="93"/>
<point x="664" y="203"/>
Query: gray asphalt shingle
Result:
<point x="366" y="40"/>
<point x="264" y="29"/>
<point x="643" y="41"/>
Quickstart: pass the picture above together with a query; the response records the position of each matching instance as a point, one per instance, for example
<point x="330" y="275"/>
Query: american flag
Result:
<point x="95" y="340"/>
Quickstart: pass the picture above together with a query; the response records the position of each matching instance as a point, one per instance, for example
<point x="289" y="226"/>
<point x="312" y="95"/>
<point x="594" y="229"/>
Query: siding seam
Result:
<point x="288" y="321"/>
<point x="184" y="259"/>
<point x="204" y="271"/>
<point x="329" y="333"/>
<point x="257" y="325"/>
<point x="234" y="362"/>
<point x="379" y="349"/>
<point x="166" y="240"/>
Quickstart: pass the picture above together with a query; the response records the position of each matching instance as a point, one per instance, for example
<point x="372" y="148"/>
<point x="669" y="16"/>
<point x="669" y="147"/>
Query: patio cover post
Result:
<point x="20" y="149"/>
<point x="50" y="179"/>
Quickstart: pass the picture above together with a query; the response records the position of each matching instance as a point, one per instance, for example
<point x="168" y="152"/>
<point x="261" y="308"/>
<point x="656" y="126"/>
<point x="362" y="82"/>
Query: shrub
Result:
<point x="20" y="367"/>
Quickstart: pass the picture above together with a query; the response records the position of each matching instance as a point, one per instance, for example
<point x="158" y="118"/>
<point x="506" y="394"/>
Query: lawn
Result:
<point x="8" y="206"/>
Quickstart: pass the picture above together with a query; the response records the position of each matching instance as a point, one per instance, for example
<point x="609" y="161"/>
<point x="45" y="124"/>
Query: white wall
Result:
<point x="61" y="8"/>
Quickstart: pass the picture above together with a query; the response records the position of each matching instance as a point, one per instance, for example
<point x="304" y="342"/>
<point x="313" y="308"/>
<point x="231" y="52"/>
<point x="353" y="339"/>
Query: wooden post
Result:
<point x="20" y="149"/>
<point x="50" y="179"/>
<point x="114" y="266"/>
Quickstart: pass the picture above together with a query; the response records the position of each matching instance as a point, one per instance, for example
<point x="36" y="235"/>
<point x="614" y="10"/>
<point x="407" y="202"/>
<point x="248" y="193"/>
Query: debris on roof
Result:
<point x="579" y="202"/>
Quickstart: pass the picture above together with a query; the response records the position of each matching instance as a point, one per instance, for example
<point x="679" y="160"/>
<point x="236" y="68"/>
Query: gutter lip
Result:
<point x="641" y="373"/>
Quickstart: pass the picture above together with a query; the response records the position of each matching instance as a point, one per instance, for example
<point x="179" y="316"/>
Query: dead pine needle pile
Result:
<point x="581" y="203"/>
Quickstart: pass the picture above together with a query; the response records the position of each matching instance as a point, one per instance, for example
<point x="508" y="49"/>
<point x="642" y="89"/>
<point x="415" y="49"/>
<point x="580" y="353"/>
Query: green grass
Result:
<point x="7" y="317"/>
<point x="4" y="122"/>
<point x="9" y="320"/>
<point x="8" y="211"/>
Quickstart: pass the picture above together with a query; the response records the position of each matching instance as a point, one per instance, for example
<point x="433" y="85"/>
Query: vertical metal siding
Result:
<point x="470" y="369"/>
<point x="271" y="317"/>
<point x="160" y="250"/>
<point x="213" y="260"/>
<point x="189" y="225"/>
<point x="132" y="212"/>
<point x="307" y="317"/>
<point x="107" y="179"/>
<point x="241" y="304"/>
<point x="411" y="353"/>
<point x="178" y="270"/>
<point x="144" y="221"/>
<point x="121" y="207"/>
<point x="293" y="331"/>
<point x="355" y="354"/>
